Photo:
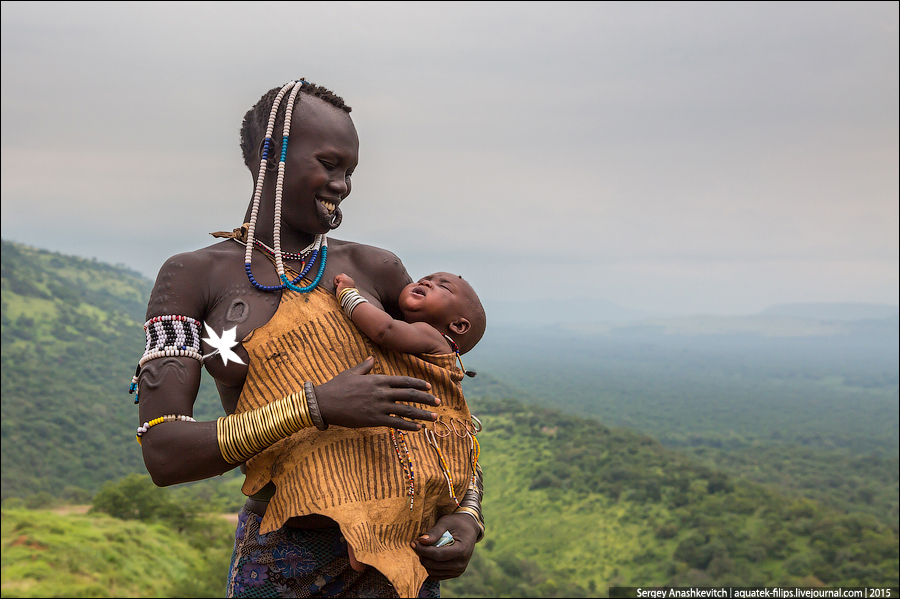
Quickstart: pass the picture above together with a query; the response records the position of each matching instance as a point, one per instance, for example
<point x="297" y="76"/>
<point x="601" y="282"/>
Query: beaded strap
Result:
<point x="476" y="453"/>
<point x="455" y="349"/>
<point x="405" y="458"/>
<point x="290" y="255"/>
<point x="320" y="242"/>
<point x="432" y="440"/>
<point x="142" y="430"/>
<point x="260" y="179"/>
<point x="279" y="185"/>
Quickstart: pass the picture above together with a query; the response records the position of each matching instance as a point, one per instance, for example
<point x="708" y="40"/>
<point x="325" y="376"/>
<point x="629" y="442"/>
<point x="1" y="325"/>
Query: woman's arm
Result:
<point x="176" y="452"/>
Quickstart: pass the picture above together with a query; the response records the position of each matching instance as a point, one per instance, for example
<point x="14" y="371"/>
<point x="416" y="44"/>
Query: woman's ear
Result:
<point x="274" y="153"/>
<point x="460" y="326"/>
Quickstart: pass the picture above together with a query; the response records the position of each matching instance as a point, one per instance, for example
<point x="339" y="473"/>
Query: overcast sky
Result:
<point x="680" y="158"/>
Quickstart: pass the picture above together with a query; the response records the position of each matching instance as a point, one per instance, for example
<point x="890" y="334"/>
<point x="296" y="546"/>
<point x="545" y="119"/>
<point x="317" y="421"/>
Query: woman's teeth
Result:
<point x="329" y="206"/>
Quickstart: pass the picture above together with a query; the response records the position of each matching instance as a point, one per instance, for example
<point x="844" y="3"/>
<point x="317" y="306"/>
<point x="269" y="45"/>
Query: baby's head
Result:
<point x="448" y="303"/>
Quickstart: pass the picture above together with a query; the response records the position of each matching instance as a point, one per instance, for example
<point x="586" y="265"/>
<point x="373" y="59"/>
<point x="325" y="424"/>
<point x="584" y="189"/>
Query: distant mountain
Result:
<point x="833" y="383"/>
<point x="827" y="311"/>
<point x="759" y="325"/>
<point x="542" y="312"/>
<point x="599" y="314"/>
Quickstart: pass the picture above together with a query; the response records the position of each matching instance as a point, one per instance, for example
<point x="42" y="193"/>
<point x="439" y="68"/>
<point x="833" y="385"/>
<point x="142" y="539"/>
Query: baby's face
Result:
<point x="437" y="299"/>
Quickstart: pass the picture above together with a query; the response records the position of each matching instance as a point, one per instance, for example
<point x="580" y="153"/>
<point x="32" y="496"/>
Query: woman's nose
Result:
<point x="339" y="185"/>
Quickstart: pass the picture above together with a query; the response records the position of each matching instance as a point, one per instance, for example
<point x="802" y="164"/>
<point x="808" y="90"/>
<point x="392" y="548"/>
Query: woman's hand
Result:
<point x="451" y="560"/>
<point x="357" y="399"/>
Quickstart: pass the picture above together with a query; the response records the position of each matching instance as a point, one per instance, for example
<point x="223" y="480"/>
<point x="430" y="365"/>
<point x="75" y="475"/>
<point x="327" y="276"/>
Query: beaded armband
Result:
<point x="169" y="335"/>
<point x="172" y="336"/>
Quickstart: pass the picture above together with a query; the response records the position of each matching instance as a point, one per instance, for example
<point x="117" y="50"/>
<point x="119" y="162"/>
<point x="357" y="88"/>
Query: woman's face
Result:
<point x="323" y="151"/>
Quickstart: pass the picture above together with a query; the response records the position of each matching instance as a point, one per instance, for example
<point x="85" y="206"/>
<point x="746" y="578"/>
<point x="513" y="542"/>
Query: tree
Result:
<point x="135" y="497"/>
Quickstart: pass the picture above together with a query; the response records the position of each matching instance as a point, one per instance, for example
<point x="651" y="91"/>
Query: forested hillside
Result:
<point x="573" y="500"/>
<point x="573" y="505"/>
<point x="807" y="406"/>
<point x="71" y="338"/>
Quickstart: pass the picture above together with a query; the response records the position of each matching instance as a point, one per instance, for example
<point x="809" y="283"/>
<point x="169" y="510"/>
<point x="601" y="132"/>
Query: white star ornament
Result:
<point x="222" y="344"/>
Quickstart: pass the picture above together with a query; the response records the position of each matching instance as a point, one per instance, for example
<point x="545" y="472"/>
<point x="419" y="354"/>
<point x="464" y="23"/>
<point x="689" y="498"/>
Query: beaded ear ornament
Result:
<point x="320" y="245"/>
<point x="455" y="348"/>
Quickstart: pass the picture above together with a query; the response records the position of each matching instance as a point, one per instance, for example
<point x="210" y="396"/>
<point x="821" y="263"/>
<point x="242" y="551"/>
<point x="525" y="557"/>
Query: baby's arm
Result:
<point x="381" y="328"/>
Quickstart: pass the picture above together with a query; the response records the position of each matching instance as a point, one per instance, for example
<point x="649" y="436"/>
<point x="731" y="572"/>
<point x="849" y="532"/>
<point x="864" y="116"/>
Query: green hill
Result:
<point x="46" y="554"/>
<point x="572" y="505"/>
<point x="572" y="502"/>
<point x="71" y="337"/>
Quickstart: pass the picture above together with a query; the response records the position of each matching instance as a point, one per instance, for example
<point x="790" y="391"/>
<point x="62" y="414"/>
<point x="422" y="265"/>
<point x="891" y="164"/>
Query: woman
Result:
<point x="301" y="148"/>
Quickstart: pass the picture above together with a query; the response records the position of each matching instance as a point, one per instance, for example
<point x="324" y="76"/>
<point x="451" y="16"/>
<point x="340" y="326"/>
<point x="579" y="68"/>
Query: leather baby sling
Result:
<point x="355" y="476"/>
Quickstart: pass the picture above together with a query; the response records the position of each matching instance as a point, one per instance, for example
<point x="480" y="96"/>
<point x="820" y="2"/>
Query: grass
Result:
<point x="93" y="555"/>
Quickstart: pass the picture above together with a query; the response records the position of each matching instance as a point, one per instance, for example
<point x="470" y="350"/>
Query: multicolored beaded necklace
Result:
<point x="302" y="256"/>
<point x="432" y="439"/>
<point x="406" y="462"/>
<point x="455" y="348"/>
<point x="320" y="243"/>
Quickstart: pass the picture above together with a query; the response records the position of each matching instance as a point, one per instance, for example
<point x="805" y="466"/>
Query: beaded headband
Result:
<point x="321" y="242"/>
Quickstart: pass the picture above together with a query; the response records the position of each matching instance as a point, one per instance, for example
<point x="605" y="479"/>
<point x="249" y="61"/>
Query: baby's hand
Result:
<point x="342" y="282"/>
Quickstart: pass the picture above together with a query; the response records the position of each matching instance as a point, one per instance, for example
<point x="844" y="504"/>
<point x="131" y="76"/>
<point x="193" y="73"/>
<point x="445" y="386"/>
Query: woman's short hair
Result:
<point x="253" y="130"/>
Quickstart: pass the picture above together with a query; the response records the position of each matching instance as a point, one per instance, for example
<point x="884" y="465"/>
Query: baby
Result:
<point x="441" y="314"/>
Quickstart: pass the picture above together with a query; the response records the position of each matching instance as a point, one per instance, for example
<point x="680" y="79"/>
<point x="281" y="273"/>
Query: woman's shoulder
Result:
<point x="186" y="281"/>
<point x="202" y="262"/>
<point x="376" y="270"/>
<point x="369" y="257"/>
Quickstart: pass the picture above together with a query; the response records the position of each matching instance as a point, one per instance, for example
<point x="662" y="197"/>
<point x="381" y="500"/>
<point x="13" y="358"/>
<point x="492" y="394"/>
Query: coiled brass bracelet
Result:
<point x="241" y="436"/>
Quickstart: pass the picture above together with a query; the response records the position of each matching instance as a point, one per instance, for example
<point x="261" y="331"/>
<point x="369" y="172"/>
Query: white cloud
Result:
<point x="689" y="151"/>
